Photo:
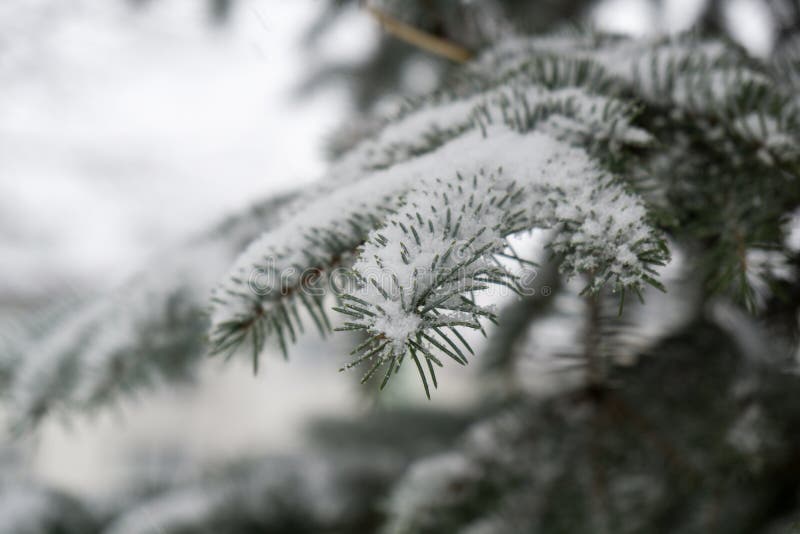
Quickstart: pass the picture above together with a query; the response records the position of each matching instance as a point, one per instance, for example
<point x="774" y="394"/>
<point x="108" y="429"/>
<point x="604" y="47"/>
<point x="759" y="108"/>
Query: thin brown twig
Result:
<point x="420" y="39"/>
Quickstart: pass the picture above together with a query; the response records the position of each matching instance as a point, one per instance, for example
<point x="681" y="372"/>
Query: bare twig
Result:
<point x="419" y="38"/>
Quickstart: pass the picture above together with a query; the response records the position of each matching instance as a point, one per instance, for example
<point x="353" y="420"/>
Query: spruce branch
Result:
<point x="607" y="141"/>
<point x="478" y="132"/>
<point x="408" y="295"/>
<point x="148" y="331"/>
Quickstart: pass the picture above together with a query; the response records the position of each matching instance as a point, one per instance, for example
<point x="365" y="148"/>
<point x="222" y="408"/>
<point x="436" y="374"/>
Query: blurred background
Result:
<point x="127" y="126"/>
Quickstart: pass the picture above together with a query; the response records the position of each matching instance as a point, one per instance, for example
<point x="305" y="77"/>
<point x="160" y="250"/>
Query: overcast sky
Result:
<point x="122" y="131"/>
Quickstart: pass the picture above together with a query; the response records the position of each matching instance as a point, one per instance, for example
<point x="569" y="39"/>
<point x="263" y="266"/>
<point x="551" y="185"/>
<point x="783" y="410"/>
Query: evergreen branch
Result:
<point x="447" y="232"/>
<point x="149" y="330"/>
<point x="340" y="220"/>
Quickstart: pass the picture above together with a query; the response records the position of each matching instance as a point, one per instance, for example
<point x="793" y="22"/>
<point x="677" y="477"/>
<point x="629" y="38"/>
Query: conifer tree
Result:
<point x="661" y="177"/>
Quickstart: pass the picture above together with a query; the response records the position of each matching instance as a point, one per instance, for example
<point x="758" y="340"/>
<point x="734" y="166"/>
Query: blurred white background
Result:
<point x="124" y="130"/>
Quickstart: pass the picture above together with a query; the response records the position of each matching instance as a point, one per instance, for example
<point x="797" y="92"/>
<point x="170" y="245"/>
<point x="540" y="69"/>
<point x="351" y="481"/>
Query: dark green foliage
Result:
<point x="697" y="437"/>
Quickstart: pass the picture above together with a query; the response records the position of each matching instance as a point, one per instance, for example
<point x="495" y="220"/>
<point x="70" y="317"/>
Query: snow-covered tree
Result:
<point x="665" y="168"/>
